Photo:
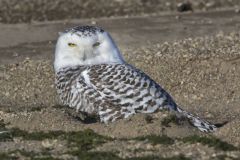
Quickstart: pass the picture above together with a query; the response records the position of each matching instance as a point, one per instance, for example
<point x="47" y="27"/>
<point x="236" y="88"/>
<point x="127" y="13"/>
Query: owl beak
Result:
<point x="84" y="56"/>
<point x="87" y="54"/>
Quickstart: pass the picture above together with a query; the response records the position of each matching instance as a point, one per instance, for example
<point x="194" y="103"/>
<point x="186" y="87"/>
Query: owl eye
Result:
<point x="96" y="44"/>
<point x="72" y="45"/>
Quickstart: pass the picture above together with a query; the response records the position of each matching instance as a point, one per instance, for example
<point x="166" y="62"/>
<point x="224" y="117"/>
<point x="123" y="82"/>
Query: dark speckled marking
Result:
<point x="85" y="31"/>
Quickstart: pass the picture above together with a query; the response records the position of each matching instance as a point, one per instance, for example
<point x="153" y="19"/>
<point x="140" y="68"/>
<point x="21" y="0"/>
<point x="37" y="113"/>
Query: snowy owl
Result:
<point x="93" y="78"/>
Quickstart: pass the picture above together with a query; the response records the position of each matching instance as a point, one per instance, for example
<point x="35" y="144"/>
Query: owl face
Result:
<point x="85" y="45"/>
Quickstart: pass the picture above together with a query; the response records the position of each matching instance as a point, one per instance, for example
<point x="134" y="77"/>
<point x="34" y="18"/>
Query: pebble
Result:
<point x="237" y="10"/>
<point x="184" y="6"/>
<point x="49" y="144"/>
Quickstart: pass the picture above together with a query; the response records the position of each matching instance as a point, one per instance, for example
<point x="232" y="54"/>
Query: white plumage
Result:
<point x="92" y="76"/>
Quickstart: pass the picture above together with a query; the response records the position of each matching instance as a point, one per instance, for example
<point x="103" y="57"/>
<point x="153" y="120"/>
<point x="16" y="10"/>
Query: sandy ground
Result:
<point x="201" y="73"/>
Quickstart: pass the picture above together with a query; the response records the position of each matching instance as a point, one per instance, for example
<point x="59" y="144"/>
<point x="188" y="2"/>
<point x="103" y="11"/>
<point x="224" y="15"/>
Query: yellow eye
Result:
<point x="96" y="44"/>
<point x="72" y="45"/>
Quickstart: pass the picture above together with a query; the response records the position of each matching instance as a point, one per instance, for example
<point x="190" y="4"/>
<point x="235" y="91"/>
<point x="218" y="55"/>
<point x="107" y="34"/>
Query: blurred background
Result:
<point x="15" y="11"/>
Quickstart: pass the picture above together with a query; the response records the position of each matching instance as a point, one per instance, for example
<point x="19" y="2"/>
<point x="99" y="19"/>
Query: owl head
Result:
<point x="85" y="45"/>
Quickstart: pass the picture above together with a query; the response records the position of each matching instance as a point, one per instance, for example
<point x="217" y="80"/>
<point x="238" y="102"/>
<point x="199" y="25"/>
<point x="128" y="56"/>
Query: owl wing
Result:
<point x="127" y="89"/>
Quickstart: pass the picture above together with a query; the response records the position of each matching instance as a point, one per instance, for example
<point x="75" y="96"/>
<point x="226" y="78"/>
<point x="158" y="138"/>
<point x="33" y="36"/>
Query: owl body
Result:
<point x="92" y="77"/>
<point x="111" y="91"/>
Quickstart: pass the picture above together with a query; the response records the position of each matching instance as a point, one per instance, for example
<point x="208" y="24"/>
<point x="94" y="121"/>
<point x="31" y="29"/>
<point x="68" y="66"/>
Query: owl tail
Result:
<point x="201" y="124"/>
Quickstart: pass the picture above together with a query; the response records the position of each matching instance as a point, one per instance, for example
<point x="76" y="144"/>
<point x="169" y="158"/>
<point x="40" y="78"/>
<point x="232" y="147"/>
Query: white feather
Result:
<point x="85" y="75"/>
<point x="84" y="52"/>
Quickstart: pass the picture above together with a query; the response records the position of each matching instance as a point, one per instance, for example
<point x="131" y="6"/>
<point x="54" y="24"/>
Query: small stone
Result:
<point x="237" y="10"/>
<point x="7" y="94"/>
<point x="178" y="17"/>
<point x="149" y="147"/>
<point x="184" y="6"/>
<point x="148" y="118"/>
<point x="210" y="4"/>
<point x="15" y="54"/>
<point x="93" y="22"/>
<point x="167" y="4"/>
<point x="48" y="144"/>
